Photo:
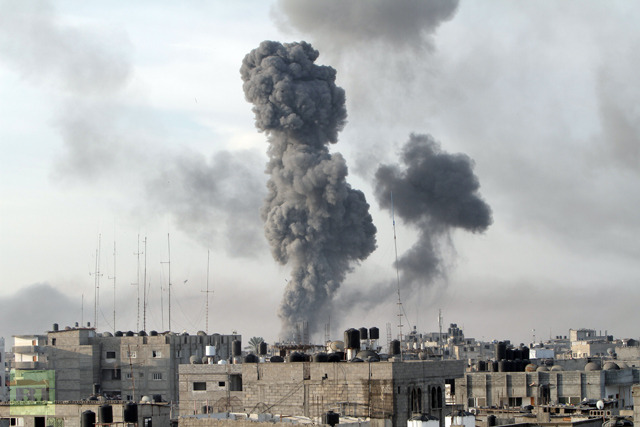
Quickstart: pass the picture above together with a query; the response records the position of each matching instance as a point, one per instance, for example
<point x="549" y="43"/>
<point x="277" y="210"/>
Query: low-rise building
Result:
<point x="384" y="392"/>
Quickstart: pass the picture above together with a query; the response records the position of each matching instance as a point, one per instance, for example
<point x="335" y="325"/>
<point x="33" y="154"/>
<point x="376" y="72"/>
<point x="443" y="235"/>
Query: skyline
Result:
<point x="115" y="125"/>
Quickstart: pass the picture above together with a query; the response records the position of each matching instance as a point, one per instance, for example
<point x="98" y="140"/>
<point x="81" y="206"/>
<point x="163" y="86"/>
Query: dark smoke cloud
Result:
<point x="435" y="192"/>
<point x="343" y="24"/>
<point x="314" y="220"/>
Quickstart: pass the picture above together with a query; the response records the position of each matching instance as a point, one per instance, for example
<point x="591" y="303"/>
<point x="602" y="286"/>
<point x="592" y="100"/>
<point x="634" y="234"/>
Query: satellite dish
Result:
<point x="600" y="404"/>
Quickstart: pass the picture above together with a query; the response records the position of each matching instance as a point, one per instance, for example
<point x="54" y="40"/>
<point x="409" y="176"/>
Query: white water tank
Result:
<point x="210" y="351"/>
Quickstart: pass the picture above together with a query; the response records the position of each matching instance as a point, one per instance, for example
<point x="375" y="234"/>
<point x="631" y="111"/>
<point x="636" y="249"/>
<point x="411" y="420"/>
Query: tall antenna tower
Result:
<point x="138" y="253"/>
<point x="144" y="289"/>
<point x="96" y="287"/>
<point x="395" y="246"/>
<point x="440" y="341"/>
<point x="207" y="293"/>
<point x="169" y="275"/>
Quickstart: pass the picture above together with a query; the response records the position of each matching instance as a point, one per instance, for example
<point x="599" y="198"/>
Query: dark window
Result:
<point x="53" y="341"/>
<point x="220" y="383"/>
<point x="111" y="354"/>
<point x="199" y="386"/>
<point x="235" y="382"/>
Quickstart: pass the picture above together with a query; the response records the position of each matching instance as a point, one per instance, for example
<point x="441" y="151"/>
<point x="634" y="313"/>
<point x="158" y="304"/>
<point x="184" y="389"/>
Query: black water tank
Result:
<point x="153" y="333"/>
<point x="236" y="348"/>
<point x="491" y="420"/>
<point x="129" y="333"/>
<point x="525" y="353"/>
<point x="364" y="333"/>
<point x="118" y="333"/>
<point x="297" y="357"/>
<point x="331" y="418"/>
<point x="482" y="366"/>
<point x="502" y="366"/>
<point x="501" y="350"/>
<point x="142" y="334"/>
<point x="55" y="327"/>
<point x="251" y="358"/>
<point x="130" y="412"/>
<point x="88" y="419"/>
<point x="336" y="357"/>
<point x="352" y="338"/>
<point x="320" y="357"/>
<point x="262" y="348"/>
<point x="374" y="333"/>
<point x="157" y="398"/>
<point x="276" y="359"/>
<point x="509" y="354"/>
<point x="395" y="347"/>
<point x="105" y="414"/>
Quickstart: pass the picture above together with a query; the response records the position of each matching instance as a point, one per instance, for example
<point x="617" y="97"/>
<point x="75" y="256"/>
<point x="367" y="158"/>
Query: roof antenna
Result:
<point x="395" y="246"/>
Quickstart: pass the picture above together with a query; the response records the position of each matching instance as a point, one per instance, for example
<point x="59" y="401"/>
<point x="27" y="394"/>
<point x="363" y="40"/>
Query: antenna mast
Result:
<point x="395" y="246"/>
<point x="137" y="284"/>
<point x="96" y="278"/>
<point x="207" y="292"/>
<point x="144" y="288"/>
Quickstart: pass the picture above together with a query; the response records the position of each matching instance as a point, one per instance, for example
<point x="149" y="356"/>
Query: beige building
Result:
<point x="388" y="393"/>
<point x="126" y="366"/>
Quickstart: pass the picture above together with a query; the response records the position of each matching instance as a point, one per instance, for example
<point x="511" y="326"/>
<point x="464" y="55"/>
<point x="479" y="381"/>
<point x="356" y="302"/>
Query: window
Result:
<point x="128" y="375"/>
<point x="111" y="354"/>
<point x="199" y="386"/>
<point x="157" y="375"/>
<point x="53" y="341"/>
<point x="221" y="383"/>
<point x="156" y="353"/>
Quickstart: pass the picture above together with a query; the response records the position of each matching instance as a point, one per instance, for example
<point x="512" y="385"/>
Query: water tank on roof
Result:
<point x="297" y="357"/>
<point x="374" y="333"/>
<point x="501" y="350"/>
<point x="364" y="333"/>
<point x="88" y="419"/>
<point x="320" y="357"/>
<point x="142" y="334"/>
<point x="119" y="333"/>
<point x="130" y="412"/>
<point x="352" y="338"/>
<point x="262" y="348"/>
<point x="276" y="359"/>
<point x="129" y="333"/>
<point x="251" y="358"/>
<point x="236" y="348"/>
<point x="395" y="347"/>
<point x="153" y="333"/>
<point x="336" y="357"/>
<point x="105" y="414"/>
<point x="210" y="351"/>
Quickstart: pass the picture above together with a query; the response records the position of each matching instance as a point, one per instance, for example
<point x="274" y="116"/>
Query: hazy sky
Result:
<point x="123" y="119"/>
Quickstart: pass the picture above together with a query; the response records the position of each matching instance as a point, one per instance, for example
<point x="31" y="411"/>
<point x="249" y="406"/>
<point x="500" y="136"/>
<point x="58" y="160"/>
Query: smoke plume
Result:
<point x="435" y="192"/>
<point x="314" y="220"/>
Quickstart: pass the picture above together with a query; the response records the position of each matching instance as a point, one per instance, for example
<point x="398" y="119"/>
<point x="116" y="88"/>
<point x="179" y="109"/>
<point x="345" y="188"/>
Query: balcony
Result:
<point x="30" y="365"/>
<point x="28" y="349"/>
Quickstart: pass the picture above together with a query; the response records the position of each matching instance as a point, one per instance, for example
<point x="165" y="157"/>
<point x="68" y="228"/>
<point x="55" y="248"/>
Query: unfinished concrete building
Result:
<point x="544" y="387"/>
<point x="387" y="393"/>
<point x="126" y="366"/>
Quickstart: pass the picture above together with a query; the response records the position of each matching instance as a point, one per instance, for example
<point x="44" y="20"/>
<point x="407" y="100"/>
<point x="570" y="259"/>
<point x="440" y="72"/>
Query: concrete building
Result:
<point x="387" y="393"/>
<point x="4" y="394"/>
<point x="68" y="414"/>
<point x="544" y="387"/>
<point x="126" y="366"/>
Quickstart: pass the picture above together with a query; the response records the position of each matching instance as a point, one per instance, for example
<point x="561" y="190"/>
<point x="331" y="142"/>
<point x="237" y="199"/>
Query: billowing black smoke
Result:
<point x="435" y="192"/>
<point x="314" y="220"/>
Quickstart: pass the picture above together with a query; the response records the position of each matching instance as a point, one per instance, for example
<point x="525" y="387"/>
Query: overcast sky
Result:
<point x="128" y="120"/>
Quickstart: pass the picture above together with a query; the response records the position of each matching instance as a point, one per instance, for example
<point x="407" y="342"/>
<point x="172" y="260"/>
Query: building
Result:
<point x="123" y="366"/>
<point x="69" y="414"/>
<point x="547" y="386"/>
<point x="387" y="392"/>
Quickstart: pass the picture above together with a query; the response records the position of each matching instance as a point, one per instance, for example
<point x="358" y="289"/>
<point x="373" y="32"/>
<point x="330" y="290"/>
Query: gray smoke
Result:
<point x="342" y="24"/>
<point x="87" y="72"/>
<point x="314" y="220"/>
<point x="434" y="192"/>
